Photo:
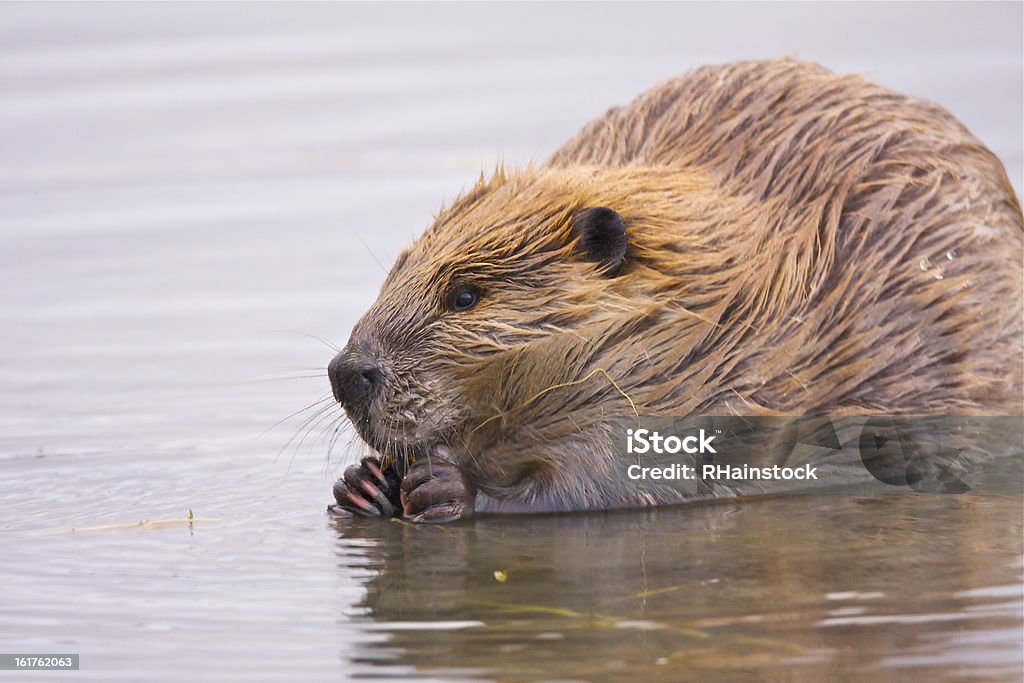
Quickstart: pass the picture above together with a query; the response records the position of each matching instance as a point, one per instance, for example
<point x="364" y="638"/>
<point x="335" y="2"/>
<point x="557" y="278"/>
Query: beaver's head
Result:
<point x="507" y="322"/>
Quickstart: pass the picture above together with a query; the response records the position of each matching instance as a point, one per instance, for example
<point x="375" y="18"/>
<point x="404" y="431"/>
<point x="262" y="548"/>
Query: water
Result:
<point x="185" y="192"/>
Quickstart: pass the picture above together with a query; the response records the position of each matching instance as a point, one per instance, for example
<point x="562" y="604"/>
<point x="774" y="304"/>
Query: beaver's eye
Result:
<point x="465" y="299"/>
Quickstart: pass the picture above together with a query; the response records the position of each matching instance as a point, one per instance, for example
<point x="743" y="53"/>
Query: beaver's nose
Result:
<point x="354" y="378"/>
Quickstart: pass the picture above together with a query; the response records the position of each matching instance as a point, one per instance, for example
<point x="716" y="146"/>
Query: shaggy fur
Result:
<point x="799" y="243"/>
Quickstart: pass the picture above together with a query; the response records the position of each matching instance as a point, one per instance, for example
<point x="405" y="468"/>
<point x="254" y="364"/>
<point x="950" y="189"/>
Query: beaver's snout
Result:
<point x="355" y="378"/>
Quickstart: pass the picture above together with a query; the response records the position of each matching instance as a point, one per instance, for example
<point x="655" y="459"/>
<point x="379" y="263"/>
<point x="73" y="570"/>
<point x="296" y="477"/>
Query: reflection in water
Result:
<point x="805" y="585"/>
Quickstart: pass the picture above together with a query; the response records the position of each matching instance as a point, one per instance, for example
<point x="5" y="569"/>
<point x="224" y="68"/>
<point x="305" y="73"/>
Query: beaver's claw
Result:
<point x="434" y="492"/>
<point x="367" y="490"/>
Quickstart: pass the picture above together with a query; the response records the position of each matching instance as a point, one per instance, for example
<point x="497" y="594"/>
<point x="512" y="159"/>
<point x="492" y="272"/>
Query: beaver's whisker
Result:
<point x="331" y="425"/>
<point x="306" y="421"/>
<point x="326" y="342"/>
<point x="302" y="436"/>
<point x="372" y="255"/>
<point x="302" y="427"/>
<point x="296" y="413"/>
<point x="342" y="426"/>
<point x="326" y="417"/>
<point x="390" y="430"/>
<point x="282" y="379"/>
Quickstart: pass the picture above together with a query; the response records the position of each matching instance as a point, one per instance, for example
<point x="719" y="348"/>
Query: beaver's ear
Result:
<point x="601" y="237"/>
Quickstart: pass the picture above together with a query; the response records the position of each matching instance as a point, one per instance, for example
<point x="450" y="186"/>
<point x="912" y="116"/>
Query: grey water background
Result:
<point x="186" y="190"/>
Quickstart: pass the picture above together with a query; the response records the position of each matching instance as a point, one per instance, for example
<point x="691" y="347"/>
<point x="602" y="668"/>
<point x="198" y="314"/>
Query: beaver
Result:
<point x="755" y="238"/>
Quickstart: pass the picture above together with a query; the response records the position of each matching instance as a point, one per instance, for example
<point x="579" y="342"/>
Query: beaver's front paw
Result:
<point x="367" y="490"/>
<point x="434" y="492"/>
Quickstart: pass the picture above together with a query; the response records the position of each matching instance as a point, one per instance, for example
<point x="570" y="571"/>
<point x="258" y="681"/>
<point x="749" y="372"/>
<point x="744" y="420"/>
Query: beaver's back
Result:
<point x="785" y="128"/>
<point x="918" y="233"/>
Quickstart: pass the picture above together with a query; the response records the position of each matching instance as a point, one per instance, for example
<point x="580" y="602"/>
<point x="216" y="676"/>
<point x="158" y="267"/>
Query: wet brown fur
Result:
<point x="800" y="242"/>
